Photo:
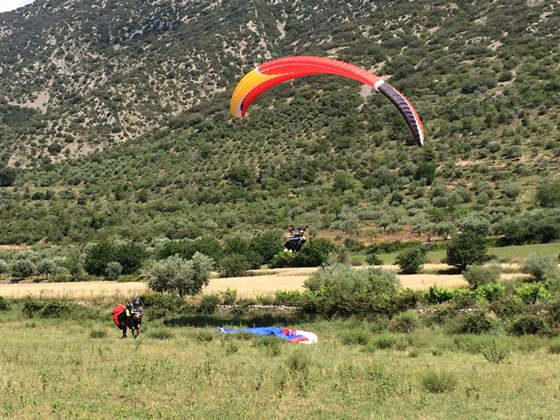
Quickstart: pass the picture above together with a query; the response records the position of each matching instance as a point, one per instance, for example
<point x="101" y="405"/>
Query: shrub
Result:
<point x="47" y="267"/>
<point x="271" y="345"/>
<point x="55" y="309"/>
<point x="98" y="334"/>
<point x="466" y="249"/>
<point x="299" y="362"/>
<point x="341" y="290"/>
<point x="475" y="323"/>
<point x="21" y="269"/>
<point x="234" y="265"/>
<point x="540" y="266"/>
<point x="113" y="270"/>
<point x="4" y="267"/>
<point x="31" y="307"/>
<point x="508" y="307"/>
<point x="208" y="304"/>
<point x="548" y="194"/>
<point x="204" y="336"/>
<point x="229" y="296"/>
<point x="158" y="305"/>
<point x="532" y="293"/>
<point x="288" y="298"/>
<point x="177" y="275"/>
<point x="477" y="275"/>
<point x="495" y="354"/>
<point x="437" y="295"/>
<point x="554" y="347"/>
<point x="439" y="382"/>
<point x="160" y="334"/>
<point x="4" y="306"/>
<point x="97" y="256"/>
<point x="314" y="253"/>
<point x="266" y="245"/>
<point x="529" y="324"/>
<point x="405" y="322"/>
<point x="384" y="342"/>
<point x="491" y="292"/>
<point x="373" y="259"/>
<point x="356" y="337"/>
<point x="411" y="260"/>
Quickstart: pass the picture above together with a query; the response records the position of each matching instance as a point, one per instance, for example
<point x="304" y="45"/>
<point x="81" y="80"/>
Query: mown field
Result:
<point x="54" y="369"/>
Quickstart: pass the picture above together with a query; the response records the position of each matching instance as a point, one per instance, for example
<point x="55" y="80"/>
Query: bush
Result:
<point x="208" y="304"/>
<point x="4" y="267"/>
<point x="529" y="324"/>
<point x="314" y="253"/>
<point x="437" y="295"/>
<point x="466" y="249"/>
<point x="234" y="265"/>
<point x="405" y="322"/>
<point x="98" y="334"/>
<point x="532" y="293"/>
<point x="373" y="259"/>
<point x="266" y="245"/>
<point x="179" y="276"/>
<point x="383" y="342"/>
<point x="439" y="382"/>
<point x="475" y="323"/>
<point x="97" y="256"/>
<point x="477" y="275"/>
<point x="495" y="354"/>
<point x="548" y="194"/>
<point x="31" y="307"/>
<point x="341" y="290"/>
<point x="491" y="292"/>
<point x="229" y="297"/>
<point x="411" y="260"/>
<point x="113" y="270"/>
<point x="4" y="306"/>
<point x="291" y="298"/>
<point x="554" y="347"/>
<point x="158" y="305"/>
<point x="299" y="362"/>
<point x="509" y="307"/>
<point x="55" y="309"/>
<point x="21" y="269"/>
<point x="356" y="337"/>
<point x="272" y="346"/>
<point x="540" y="266"/>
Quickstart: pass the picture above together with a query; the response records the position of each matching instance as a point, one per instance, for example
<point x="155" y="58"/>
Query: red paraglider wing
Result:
<point x="279" y="71"/>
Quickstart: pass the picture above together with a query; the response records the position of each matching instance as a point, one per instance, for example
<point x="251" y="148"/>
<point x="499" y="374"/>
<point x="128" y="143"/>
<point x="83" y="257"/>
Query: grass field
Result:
<point x="53" y="369"/>
<point x="508" y="253"/>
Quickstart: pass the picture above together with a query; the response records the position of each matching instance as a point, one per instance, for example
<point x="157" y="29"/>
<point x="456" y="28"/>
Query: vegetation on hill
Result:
<point x="313" y="152"/>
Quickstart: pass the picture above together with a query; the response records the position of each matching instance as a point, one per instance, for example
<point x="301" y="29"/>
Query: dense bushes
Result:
<point x="99" y="255"/>
<point x="340" y="290"/>
<point x="314" y="253"/>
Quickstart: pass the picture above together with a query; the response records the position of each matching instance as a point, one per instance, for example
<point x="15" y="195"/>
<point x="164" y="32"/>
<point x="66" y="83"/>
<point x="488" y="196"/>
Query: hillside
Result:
<point x="155" y="77"/>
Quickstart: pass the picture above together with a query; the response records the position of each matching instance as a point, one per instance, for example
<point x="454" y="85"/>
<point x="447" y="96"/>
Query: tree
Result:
<point x="548" y="194"/>
<point x="444" y="230"/>
<point x="411" y="260"/>
<point x="266" y="245"/>
<point x="98" y="255"/>
<point x="466" y="249"/>
<point x="7" y="177"/>
<point x="47" y="267"/>
<point x="113" y="270"/>
<point x="176" y="275"/>
<point x="479" y="275"/>
<point x="4" y="267"/>
<point x="130" y="256"/>
<point x="21" y="269"/>
<point x="540" y="266"/>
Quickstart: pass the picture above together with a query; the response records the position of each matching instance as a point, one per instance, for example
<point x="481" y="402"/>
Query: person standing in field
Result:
<point x="135" y="313"/>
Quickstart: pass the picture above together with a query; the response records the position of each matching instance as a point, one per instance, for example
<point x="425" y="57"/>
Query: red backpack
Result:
<point x="117" y="310"/>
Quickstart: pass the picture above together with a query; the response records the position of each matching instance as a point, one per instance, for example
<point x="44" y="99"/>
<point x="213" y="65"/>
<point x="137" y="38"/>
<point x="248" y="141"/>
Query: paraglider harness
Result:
<point x="295" y="240"/>
<point x="129" y="316"/>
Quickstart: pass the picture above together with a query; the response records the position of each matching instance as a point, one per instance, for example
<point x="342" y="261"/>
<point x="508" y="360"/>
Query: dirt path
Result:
<point x="266" y="283"/>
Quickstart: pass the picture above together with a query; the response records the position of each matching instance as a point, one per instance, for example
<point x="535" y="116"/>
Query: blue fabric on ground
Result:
<point x="262" y="331"/>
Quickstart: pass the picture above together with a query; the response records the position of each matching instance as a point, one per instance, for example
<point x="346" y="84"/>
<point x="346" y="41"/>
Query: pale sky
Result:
<point x="7" y="5"/>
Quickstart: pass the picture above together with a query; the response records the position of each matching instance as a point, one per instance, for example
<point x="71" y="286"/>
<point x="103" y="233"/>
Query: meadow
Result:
<point x="182" y="369"/>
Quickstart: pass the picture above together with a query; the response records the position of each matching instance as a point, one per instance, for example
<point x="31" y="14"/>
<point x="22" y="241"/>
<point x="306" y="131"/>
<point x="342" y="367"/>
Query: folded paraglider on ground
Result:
<point x="291" y="336"/>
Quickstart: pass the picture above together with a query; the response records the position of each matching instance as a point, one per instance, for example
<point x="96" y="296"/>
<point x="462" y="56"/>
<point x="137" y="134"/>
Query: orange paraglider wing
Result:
<point x="272" y="73"/>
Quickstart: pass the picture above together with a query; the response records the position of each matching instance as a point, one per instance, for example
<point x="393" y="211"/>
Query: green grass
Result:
<point x="55" y="370"/>
<point x="507" y="253"/>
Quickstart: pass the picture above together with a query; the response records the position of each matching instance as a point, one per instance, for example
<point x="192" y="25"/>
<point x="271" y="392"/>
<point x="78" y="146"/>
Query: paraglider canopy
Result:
<point x="274" y="72"/>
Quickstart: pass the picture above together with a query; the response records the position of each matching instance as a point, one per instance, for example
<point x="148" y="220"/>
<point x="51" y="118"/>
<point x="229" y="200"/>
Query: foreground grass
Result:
<point x="53" y="369"/>
<point x="507" y="253"/>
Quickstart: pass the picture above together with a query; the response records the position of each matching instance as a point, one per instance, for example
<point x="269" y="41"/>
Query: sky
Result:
<point x="7" y="5"/>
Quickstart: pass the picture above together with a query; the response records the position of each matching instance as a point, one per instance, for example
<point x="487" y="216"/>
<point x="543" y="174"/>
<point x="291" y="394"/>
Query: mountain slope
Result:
<point x="484" y="78"/>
